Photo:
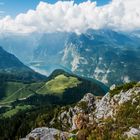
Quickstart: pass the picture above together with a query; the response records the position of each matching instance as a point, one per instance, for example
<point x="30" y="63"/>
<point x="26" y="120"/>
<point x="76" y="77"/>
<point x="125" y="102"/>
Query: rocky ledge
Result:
<point x="44" y="133"/>
<point x="117" y="113"/>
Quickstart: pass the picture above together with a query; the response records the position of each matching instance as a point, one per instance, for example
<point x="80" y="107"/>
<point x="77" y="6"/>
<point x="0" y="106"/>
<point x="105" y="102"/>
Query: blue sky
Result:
<point x="14" y="7"/>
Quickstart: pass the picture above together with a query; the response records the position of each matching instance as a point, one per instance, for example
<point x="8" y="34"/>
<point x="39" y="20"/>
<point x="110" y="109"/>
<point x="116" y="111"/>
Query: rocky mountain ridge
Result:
<point x="114" y="116"/>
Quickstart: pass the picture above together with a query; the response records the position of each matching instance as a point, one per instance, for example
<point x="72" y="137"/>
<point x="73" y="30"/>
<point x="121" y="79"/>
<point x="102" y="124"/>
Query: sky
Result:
<point x="33" y="16"/>
<point x="14" y="7"/>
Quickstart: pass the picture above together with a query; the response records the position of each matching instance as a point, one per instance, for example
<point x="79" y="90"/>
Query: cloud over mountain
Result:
<point x="69" y="16"/>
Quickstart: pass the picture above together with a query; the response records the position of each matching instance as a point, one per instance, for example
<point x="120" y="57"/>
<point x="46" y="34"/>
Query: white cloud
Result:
<point x="68" y="16"/>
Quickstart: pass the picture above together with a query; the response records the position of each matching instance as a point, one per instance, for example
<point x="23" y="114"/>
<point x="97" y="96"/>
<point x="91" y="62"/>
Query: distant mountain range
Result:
<point x="108" y="56"/>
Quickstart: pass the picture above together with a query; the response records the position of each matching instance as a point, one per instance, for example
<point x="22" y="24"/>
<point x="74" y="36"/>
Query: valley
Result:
<point x="69" y="69"/>
<point x="105" y="54"/>
<point x="69" y="103"/>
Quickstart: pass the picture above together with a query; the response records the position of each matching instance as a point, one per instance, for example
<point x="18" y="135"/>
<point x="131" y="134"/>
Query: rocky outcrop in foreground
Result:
<point x="45" y="133"/>
<point x="113" y="116"/>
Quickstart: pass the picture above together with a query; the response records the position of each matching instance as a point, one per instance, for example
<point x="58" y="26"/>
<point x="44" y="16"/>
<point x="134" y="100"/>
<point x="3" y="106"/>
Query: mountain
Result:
<point x="59" y="88"/>
<point x="109" y="56"/>
<point x="20" y="45"/>
<point x="11" y="68"/>
<point x="112" y="117"/>
<point x="105" y="55"/>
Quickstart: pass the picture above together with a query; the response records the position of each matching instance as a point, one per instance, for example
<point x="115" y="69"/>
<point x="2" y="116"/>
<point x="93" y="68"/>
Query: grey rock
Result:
<point x="106" y="107"/>
<point x="133" y="132"/>
<point x="45" y="133"/>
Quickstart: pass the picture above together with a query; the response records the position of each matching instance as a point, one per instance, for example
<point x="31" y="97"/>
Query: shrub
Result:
<point x="82" y="105"/>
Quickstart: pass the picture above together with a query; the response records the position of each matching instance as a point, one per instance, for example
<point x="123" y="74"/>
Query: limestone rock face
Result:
<point x="84" y="106"/>
<point x="92" y="112"/>
<point x="132" y="132"/>
<point x="89" y="99"/>
<point x="45" y="133"/>
<point x="107" y="106"/>
<point x="80" y="121"/>
<point x="93" y="108"/>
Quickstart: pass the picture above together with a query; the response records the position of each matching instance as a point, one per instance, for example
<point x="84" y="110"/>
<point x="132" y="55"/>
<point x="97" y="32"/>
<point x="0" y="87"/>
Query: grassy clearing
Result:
<point x="59" y="84"/>
<point x="14" y="111"/>
<point x="14" y="91"/>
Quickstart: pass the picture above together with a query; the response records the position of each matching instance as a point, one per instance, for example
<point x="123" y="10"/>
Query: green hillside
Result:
<point x="14" y="91"/>
<point x="15" y="110"/>
<point x="18" y="91"/>
<point x="59" y="84"/>
<point x="70" y="87"/>
<point x="12" y="69"/>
